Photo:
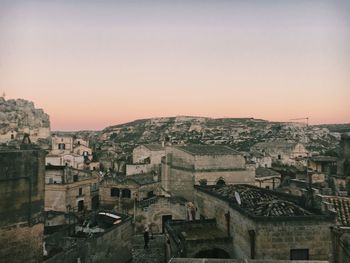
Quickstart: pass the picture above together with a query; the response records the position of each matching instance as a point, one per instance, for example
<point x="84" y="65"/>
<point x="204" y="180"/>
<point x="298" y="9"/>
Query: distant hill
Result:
<point x="341" y="128"/>
<point x="240" y="133"/>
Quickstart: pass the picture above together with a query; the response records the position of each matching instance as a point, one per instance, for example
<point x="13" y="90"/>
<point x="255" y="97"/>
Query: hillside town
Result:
<point x="172" y="190"/>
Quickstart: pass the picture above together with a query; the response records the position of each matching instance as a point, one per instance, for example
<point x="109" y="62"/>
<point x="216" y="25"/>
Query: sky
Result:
<point x="91" y="64"/>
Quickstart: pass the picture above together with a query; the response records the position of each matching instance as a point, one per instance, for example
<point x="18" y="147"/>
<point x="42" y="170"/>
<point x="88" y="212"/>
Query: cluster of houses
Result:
<point x="210" y="201"/>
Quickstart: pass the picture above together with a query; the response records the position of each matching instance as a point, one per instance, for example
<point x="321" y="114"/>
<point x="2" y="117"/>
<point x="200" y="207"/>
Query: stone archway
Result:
<point x="212" y="253"/>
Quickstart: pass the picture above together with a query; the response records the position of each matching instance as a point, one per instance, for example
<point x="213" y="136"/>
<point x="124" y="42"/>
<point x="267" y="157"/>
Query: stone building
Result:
<point x="185" y="166"/>
<point x="148" y="153"/>
<point x="267" y="178"/>
<point x="68" y="152"/>
<point x="343" y="163"/>
<point x="282" y="151"/>
<point x="69" y="189"/>
<point x="156" y="211"/>
<point x="340" y="232"/>
<point x="22" y="173"/>
<point x="66" y="159"/>
<point x="146" y="158"/>
<point x="260" y="159"/>
<point x="323" y="165"/>
<point x="197" y="239"/>
<point x="265" y="224"/>
<point x="61" y="145"/>
<point x="103" y="236"/>
<point x="122" y="191"/>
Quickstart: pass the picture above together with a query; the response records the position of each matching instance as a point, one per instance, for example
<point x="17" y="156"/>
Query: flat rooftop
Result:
<point x="207" y="150"/>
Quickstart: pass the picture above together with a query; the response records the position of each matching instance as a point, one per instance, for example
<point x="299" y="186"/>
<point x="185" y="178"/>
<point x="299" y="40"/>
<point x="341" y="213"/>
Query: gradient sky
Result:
<point x="90" y="64"/>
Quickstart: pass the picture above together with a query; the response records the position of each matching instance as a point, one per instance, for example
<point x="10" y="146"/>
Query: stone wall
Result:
<point x="209" y="162"/>
<point x="59" y="196"/>
<point x="132" y="169"/>
<point x="21" y="204"/>
<point x="114" y="245"/>
<point x="142" y="152"/>
<point x="22" y="243"/>
<point x="181" y="170"/>
<point x="343" y="163"/>
<point x="275" y="236"/>
<point x="150" y="212"/>
<point x="276" y="239"/>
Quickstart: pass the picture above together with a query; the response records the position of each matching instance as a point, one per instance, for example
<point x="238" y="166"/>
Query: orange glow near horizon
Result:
<point x="106" y="64"/>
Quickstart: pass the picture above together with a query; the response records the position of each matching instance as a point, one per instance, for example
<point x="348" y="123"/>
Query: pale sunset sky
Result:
<point x="91" y="64"/>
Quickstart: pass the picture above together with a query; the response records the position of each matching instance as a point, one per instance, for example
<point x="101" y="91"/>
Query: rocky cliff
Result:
<point x="20" y="116"/>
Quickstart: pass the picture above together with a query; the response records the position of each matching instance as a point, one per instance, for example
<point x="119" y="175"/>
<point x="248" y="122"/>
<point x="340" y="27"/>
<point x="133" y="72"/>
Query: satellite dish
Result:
<point x="238" y="198"/>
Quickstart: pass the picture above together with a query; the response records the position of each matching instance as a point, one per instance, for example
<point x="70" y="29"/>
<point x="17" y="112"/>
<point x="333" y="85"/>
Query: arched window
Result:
<point x="115" y="192"/>
<point x="220" y="182"/>
<point x="126" y="193"/>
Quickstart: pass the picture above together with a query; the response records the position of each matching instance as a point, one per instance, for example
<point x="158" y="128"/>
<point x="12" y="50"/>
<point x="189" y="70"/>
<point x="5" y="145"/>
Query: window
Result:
<point x="80" y="191"/>
<point x="61" y="146"/>
<point x="279" y="157"/>
<point x="115" y="192"/>
<point x="12" y="136"/>
<point x="299" y="254"/>
<point x="75" y="178"/>
<point x="220" y="182"/>
<point x="126" y="193"/>
<point x="150" y="194"/>
<point x="267" y="187"/>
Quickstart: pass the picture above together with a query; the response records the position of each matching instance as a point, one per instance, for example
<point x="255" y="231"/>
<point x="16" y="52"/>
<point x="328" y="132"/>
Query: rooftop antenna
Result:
<point x="238" y="198"/>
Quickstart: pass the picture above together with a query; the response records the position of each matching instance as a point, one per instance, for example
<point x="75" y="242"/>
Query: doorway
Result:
<point x="165" y="218"/>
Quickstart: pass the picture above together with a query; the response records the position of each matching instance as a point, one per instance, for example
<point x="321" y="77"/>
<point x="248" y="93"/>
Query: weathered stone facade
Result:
<point x="21" y="204"/>
<point x="268" y="237"/>
<point x="153" y="211"/>
<point x="123" y="191"/>
<point x="197" y="239"/>
<point x="68" y="189"/>
<point x="113" y="245"/>
<point x="185" y="166"/>
<point x="148" y="153"/>
<point x="343" y="163"/>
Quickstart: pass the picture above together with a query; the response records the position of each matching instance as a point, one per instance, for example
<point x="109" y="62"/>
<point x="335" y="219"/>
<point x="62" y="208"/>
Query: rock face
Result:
<point x="20" y="116"/>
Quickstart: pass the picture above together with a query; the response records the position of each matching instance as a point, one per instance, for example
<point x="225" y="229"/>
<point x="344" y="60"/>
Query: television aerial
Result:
<point x="238" y="198"/>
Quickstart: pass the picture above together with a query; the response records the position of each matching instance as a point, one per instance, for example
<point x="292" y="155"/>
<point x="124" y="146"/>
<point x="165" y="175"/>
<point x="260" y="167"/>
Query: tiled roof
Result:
<point x="264" y="172"/>
<point x="342" y="208"/>
<point x="208" y="150"/>
<point x="260" y="202"/>
<point x="154" y="147"/>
